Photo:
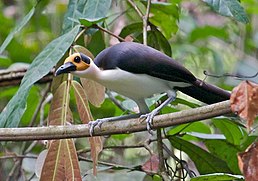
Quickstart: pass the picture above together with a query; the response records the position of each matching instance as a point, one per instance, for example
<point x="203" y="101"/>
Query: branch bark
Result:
<point x="117" y="127"/>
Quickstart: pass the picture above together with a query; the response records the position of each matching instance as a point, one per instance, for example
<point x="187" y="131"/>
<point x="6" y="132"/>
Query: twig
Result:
<point x="162" y="169"/>
<point x="116" y="127"/>
<point x="145" y="19"/>
<point x="183" y="163"/>
<point x="136" y="8"/>
<point x="239" y="77"/>
<point x="79" y="34"/>
<point x="103" y="163"/>
<point x="38" y="108"/>
<point x="140" y="145"/>
<point x="17" y="156"/>
<point x="109" y="32"/>
<point x="13" y="174"/>
<point x="115" y="101"/>
<point x="45" y="102"/>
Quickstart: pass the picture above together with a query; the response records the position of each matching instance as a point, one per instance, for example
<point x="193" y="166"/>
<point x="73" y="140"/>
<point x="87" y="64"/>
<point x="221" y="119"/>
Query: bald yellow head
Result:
<point x="75" y="62"/>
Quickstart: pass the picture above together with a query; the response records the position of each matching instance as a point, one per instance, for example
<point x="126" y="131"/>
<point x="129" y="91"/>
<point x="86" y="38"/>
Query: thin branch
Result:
<point x="145" y="145"/>
<point x="116" y="127"/>
<point x="109" y="32"/>
<point x="136" y="8"/>
<point x="115" y="101"/>
<point x="183" y="163"/>
<point x="145" y="20"/>
<point x="17" y="156"/>
<point x="39" y="106"/>
<point x="144" y="17"/>
<point x="113" y="165"/>
<point x="162" y="169"/>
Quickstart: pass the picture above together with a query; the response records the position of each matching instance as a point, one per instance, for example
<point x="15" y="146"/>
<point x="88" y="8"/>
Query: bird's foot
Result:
<point x="98" y="123"/>
<point x="149" y="119"/>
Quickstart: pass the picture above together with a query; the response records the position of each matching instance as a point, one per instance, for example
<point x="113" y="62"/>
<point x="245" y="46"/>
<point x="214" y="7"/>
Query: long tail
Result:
<point x="205" y="92"/>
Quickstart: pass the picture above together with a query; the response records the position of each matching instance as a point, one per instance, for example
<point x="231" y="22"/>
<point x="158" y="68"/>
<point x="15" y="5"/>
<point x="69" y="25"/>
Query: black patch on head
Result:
<point x="77" y="59"/>
<point x="85" y="58"/>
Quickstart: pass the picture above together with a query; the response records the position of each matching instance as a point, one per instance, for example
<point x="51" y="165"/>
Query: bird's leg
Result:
<point x="99" y="122"/>
<point x="149" y="116"/>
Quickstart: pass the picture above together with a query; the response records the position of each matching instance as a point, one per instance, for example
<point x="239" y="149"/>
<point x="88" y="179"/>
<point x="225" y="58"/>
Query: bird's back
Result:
<point x="140" y="59"/>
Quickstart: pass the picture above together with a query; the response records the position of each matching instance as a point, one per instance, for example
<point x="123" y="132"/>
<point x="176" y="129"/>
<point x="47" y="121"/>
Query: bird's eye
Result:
<point x="77" y="59"/>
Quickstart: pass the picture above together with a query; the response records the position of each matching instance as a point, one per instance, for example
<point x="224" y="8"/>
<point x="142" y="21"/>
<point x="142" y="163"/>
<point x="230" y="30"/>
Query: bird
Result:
<point x="138" y="72"/>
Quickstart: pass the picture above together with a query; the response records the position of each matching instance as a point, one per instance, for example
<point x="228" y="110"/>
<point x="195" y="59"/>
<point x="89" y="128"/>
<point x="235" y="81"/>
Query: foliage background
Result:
<point x="190" y="31"/>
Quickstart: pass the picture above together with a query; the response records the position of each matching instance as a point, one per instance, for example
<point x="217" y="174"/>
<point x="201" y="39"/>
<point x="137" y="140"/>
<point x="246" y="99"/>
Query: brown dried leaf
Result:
<point x="59" y="112"/>
<point x="96" y="146"/>
<point x="61" y="162"/>
<point x="85" y="115"/>
<point x="152" y="165"/>
<point x="248" y="162"/>
<point x="244" y="101"/>
<point x="83" y="50"/>
<point x="82" y="103"/>
<point x="95" y="92"/>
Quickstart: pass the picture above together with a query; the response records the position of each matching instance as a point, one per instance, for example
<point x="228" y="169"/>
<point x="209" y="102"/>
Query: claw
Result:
<point x="93" y="124"/>
<point x="149" y="120"/>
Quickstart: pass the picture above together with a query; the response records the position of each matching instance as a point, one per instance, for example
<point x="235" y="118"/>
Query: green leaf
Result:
<point x="163" y="43"/>
<point x="195" y="127"/>
<point x="107" y="110"/>
<point x="218" y="177"/>
<point x="33" y="100"/>
<point x="190" y="127"/>
<point x="5" y="61"/>
<point x="165" y="16"/>
<point x="233" y="132"/>
<point x="96" y="8"/>
<point x="204" y="161"/>
<point x="218" y="62"/>
<point x="134" y="29"/>
<point x="156" y="40"/>
<point x="91" y="21"/>
<point x="225" y="151"/>
<point x="73" y="13"/>
<point x="129" y="105"/>
<point x="230" y="8"/>
<point x="85" y="9"/>
<point x="206" y="32"/>
<point x="185" y="102"/>
<point x="40" y="66"/>
<point x="17" y="28"/>
<point x="97" y="43"/>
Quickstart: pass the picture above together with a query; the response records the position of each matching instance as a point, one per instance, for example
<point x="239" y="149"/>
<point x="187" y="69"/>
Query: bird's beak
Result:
<point x="65" y="68"/>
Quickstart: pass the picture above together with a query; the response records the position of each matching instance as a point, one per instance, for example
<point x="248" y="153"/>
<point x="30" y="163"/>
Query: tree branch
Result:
<point x="14" y="77"/>
<point x="116" y="127"/>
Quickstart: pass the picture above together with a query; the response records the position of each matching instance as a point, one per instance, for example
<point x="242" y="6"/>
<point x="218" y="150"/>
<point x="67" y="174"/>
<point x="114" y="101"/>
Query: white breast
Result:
<point x="135" y="86"/>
